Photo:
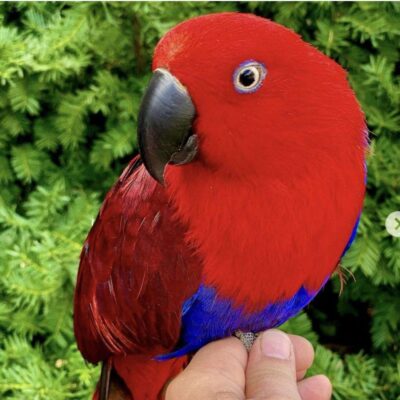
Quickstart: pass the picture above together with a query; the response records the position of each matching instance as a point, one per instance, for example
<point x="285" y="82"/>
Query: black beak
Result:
<point x="165" y="125"/>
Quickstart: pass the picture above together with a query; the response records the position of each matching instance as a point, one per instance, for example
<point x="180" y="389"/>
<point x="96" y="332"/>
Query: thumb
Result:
<point x="217" y="371"/>
<point x="271" y="370"/>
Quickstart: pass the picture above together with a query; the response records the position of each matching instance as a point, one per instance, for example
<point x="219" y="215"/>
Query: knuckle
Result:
<point x="268" y="373"/>
<point x="273" y="397"/>
<point x="282" y="397"/>
<point x="228" y="396"/>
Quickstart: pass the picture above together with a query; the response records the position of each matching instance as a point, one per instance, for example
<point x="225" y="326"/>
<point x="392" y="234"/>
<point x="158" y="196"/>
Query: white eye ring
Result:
<point x="249" y="76"/>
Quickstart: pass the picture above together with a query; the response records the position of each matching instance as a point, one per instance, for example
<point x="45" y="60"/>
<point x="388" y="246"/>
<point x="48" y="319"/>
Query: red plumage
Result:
<point x="286" y="164"/>
<point x="266" y="207"/>
<point x="125" y="302"/>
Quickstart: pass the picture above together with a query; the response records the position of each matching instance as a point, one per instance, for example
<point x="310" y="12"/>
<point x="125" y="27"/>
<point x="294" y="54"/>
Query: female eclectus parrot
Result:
<point x="246" y="193"/>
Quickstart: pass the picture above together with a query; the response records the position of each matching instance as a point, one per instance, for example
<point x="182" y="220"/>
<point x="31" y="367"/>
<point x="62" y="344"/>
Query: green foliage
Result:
<point x="71" y="78"/>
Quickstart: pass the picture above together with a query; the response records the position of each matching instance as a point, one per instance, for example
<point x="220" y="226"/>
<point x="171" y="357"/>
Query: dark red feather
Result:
<point x="270" y="201"/>
<point x="136" y="271"/>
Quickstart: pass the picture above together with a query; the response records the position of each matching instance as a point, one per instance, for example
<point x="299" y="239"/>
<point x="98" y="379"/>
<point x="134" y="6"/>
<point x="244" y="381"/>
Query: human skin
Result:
<point x="274" y="369"/>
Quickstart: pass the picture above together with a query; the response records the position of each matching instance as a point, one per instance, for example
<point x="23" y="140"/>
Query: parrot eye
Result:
<point x="249" y="76"/>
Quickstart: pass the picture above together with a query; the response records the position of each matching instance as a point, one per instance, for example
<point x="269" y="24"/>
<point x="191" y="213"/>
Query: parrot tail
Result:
<point x="136" y="377"/>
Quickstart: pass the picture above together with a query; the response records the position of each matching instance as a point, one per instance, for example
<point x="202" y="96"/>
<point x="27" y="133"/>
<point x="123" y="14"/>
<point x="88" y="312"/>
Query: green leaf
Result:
<point x="27" y="162"/>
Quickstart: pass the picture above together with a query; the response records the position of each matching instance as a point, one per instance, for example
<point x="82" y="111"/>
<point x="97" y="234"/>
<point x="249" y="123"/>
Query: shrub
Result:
<point x="71" y="76"/>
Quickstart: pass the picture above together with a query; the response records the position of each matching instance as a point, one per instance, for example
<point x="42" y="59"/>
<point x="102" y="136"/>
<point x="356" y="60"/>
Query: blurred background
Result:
<point x="71" y="79"/>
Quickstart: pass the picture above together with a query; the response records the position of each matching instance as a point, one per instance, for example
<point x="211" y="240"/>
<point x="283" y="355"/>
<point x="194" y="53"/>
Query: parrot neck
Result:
<point x="261" y="241"/>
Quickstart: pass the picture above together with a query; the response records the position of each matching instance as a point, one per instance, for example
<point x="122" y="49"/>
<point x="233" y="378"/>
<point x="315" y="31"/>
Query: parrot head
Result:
<point x="242" y="95"/>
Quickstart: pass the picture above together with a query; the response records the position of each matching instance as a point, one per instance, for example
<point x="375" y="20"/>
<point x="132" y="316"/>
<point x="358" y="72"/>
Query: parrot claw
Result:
<point x="247" y="338"/>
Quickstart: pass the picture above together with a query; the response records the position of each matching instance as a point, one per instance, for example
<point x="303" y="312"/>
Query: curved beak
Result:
<point x="165" y="125"/>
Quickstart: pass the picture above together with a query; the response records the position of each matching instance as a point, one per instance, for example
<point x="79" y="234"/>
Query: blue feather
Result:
<point x="208" y="317"/>
<point x="352" y="236"/>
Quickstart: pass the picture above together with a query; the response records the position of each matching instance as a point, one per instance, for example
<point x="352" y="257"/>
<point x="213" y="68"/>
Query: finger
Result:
<point x="303" y="353"/>
<point x="316" y="387"/>
<point x="271" y="371"/>
<point x="216" y="372"/>
<point x="300" y="374"/>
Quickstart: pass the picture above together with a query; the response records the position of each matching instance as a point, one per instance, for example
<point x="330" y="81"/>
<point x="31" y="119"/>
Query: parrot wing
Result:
<point x="135" y="273"/>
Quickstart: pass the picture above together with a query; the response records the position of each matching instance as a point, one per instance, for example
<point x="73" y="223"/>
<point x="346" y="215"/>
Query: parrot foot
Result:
<point x="247" y="338"/>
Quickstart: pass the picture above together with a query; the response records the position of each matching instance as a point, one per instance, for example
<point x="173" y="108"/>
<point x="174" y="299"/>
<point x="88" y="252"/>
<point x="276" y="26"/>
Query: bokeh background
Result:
<point x="71" y="79"/>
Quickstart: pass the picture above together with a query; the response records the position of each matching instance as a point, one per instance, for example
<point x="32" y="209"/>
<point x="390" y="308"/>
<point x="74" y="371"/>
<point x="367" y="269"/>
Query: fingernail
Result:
<point x="275" y="344"/>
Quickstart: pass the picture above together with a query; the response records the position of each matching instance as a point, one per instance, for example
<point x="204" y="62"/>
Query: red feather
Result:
<point x="270" y="200"/>
<point x="280" y="175"/>
<point x="135" y="273"/>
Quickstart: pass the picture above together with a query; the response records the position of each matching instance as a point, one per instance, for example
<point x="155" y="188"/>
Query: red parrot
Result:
<point x="247" y="192"/>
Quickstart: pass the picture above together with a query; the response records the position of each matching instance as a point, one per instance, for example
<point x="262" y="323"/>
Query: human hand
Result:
<point x="273" y="370"/>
